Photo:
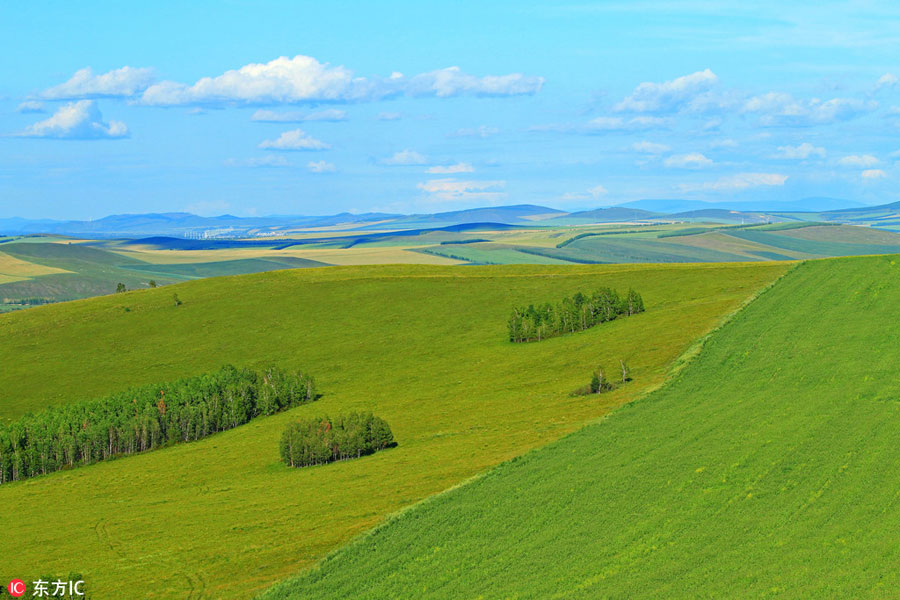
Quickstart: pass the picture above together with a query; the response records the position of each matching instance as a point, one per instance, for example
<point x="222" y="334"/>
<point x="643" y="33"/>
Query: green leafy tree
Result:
<point x="121" y="288"/>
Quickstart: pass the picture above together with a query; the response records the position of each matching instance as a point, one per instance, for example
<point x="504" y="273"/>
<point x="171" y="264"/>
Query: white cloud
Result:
<point x="723" y="143"/>
<point x="671" y="96"/>
<point x="296" y="139"/>
<point x="272" y="160"/>
<point x="859" y="160"/>
<point x="304" y="79"/>
<point x="77" y="121"/>
<point x="405" y="157"/>
<point x="602" y="124"/>
<point x="873" y="174"/>
<point x="482" y="131"/>
<point x="31" y="106"/>
<point x="780" y="109"/>
<point x="649" y="147"/>
<point x="453" y="82"/>
<point x="693" y="160"/>
<point x="320" y="167"/>
<point x="888" y="80"/>
<point x="447" y="169"/>
<point x="389" y="116"/>
<point x="454" y="189"/>
<point x="739" y="181"/>
<point x="597" y="191"/>
<point x="801" y="152"/>
<point x="124" y="82"/>
<point x="271" y="116"/>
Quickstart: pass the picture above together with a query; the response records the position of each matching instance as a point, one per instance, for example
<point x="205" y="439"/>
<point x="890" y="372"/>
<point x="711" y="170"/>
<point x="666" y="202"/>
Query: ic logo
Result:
<point x="16" y="588"/>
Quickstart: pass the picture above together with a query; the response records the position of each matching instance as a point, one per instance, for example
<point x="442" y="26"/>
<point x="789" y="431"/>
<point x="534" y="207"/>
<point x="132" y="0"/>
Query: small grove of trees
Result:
<point x="145" y="418"/>
<point x="120" y="288"/>
<point x="322" y="440"/>
<point x="572" y="314"/>
<point x="602" y="382"/>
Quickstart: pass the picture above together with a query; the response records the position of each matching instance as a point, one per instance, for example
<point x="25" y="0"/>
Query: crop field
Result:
<point x="423" y="347"/>
<point x="766" y="468"/>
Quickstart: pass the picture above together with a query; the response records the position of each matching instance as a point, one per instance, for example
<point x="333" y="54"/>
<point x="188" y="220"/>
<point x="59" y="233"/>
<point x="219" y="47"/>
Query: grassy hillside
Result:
<point x="423" y="347"/>
<point x="768" y="468"/>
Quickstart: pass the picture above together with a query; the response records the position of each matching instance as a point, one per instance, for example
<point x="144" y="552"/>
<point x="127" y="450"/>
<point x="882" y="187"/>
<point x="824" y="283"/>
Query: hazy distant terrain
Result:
<point x="43" y="268"/>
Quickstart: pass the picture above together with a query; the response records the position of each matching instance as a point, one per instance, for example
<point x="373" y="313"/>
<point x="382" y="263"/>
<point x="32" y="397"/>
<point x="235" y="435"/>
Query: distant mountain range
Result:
<point x="188" y="225"/>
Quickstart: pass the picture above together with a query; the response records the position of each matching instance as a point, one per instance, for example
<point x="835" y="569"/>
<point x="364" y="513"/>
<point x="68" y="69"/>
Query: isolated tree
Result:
<point x="152" y="283"/>
<point x="596" y="382"/>
<point x="176" y="299"/>
<point x="121" y="288"/>
<point x="626" y="372"/>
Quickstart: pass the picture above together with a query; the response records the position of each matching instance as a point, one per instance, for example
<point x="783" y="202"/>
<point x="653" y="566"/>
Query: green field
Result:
<point x="766" y="469"/>
<point x="423" y="347"/>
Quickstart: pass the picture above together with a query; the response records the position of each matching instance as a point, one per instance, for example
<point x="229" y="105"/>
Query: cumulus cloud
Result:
<point x="801" y="152"/>
<point x="272" y="160"/>
<point x="873" y="174"/>
<point x="693" y="160"/>
<point x="482" y="131"/>
<point x="614" y="124"/>
<point x="686" y="92"/>
<point x="723" y="143"/>
<point x="389" y="116"/>
<point x="405" y="157"/>
<point x="296" y="139"/>
<point x="597" y="191"/>
<point x="77" y="121"/>
<point x="447" y="169"/>
<point x="454" y="189"/>
<point x="649" y="147"/>
<point x="737" y="182"/>
<point x="271" y="116"/>
<point x="320" y="166"/>
<point x="452" y="81"/>
<point x="31" y="106"/>
<point x="123" y="83"/>
<point x="888" y="80"/>
<point x="301" y="79"/>
<point x="859" y="160"/>
<point x="779" y="109"/>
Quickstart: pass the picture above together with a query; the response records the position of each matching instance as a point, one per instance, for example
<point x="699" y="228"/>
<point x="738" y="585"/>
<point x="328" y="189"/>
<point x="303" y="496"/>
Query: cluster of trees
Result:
<point x="572" y="314"/>
<point x="145" y="418"/>
<point x="605" y="381"/>
<point x="28" y="301"/>
<point x="322" y="440"/>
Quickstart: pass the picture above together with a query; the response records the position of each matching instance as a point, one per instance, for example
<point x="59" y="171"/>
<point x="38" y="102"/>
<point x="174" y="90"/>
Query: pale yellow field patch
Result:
<point x="10" y="266"/>
<point x="334" y="256"/>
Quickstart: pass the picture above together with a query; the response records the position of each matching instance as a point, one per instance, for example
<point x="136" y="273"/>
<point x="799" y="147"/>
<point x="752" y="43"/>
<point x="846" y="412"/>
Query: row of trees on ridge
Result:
<point x="577" y="313"/>
<point x="322" y="440"/>
<point x="145" y="418"/>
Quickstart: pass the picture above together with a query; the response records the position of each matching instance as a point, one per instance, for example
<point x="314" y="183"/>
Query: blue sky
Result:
<point x="254" y="108"/>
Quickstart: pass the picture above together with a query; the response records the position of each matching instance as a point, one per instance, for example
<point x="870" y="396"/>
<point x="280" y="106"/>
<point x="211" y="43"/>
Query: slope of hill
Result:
<point x="423" y="347"/>
<point x="765" y="469"/>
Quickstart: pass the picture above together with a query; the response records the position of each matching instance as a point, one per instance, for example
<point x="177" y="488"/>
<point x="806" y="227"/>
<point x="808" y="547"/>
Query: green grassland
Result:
<point x="423" y="347"/>
<point x="766" y="468"/>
